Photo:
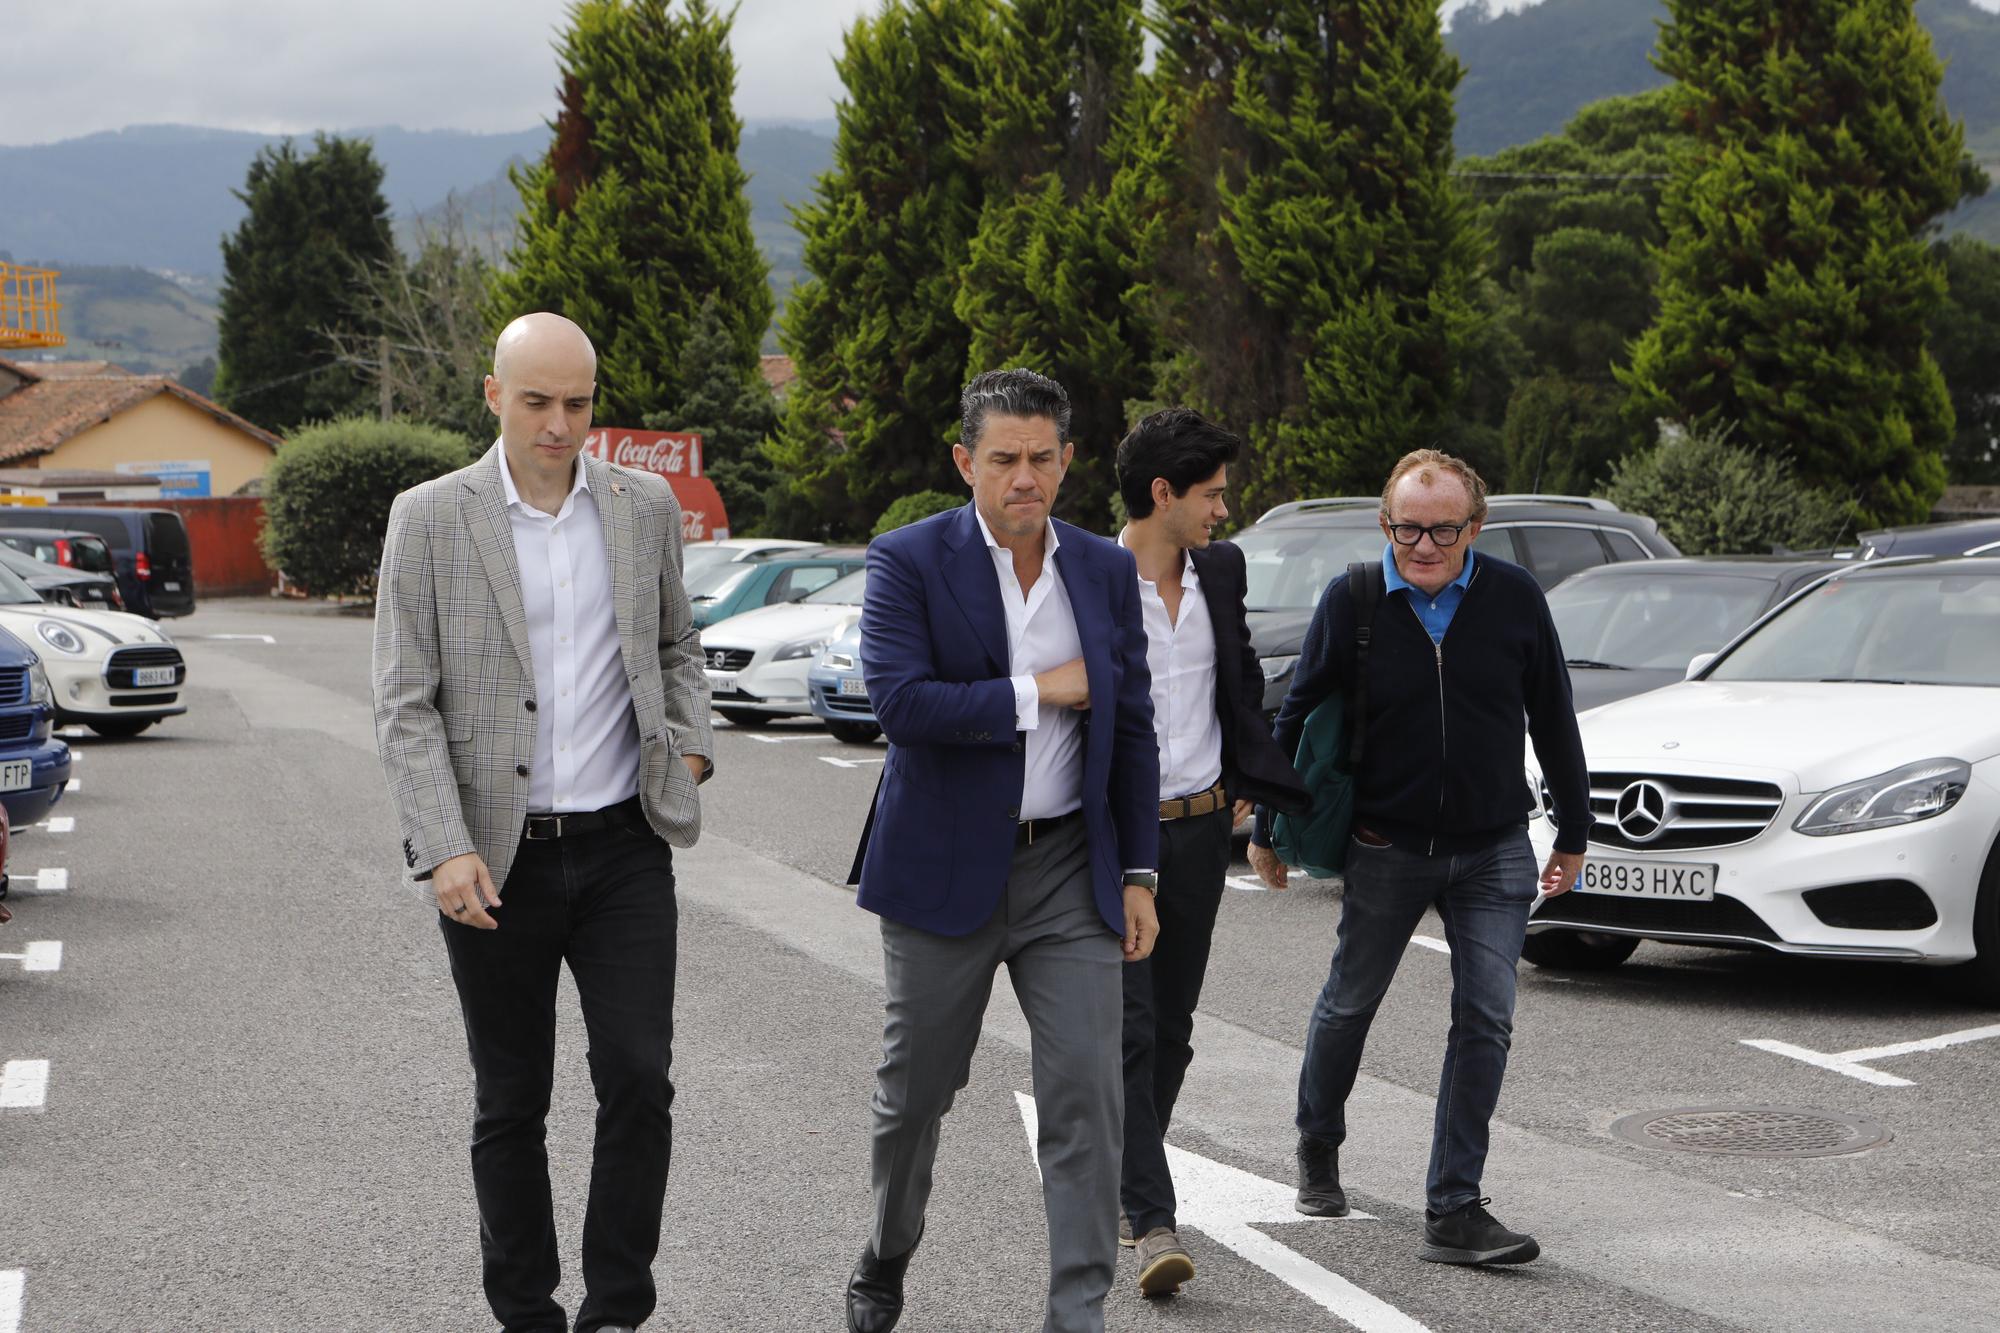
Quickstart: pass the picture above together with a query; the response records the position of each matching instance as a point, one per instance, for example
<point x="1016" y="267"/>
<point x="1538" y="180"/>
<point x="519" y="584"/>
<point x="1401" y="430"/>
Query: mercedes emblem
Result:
<point x="1642" y="811"/>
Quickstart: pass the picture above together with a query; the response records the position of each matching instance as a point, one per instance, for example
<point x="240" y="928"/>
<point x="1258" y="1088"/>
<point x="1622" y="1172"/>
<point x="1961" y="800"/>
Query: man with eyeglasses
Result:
<point x="1461" y="649"/>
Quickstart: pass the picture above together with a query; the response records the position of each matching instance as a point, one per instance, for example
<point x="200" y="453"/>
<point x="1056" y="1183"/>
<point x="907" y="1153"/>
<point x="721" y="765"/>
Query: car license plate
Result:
<point x="144" y="676"/>
<point x="171" y="587"/>
<point x="1648" y="879"/>
<point x="853" y="687"/>
<point x="17" y="775"/>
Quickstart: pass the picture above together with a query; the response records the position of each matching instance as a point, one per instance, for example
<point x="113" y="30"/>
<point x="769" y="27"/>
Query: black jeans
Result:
<point x="1161" y="992"/>
<point x="604" y="903"/>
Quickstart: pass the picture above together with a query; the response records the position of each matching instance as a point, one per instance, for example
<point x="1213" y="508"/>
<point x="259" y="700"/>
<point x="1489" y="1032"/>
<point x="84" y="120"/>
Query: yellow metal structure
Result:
<point x="28" y="307"/>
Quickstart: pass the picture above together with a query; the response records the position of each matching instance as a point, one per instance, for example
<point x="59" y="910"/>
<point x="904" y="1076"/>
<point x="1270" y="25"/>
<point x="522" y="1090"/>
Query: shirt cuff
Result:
<point x="1027" y="703"/>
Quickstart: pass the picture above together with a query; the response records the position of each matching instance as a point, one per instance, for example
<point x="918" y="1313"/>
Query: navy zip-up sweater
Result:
<point x="1441" y="766"/>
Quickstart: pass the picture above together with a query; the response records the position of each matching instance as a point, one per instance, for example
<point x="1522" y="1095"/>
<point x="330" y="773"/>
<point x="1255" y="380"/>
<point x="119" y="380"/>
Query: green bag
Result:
<point x="1329" y="750"/>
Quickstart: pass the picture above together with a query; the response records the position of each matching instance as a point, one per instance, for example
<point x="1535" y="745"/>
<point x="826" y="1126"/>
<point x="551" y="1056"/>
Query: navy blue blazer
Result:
<point x="940" y="837"/>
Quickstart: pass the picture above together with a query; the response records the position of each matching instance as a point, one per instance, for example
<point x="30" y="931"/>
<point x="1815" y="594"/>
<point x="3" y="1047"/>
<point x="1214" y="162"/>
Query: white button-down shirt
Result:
<point x="1181" y="656"/>
<point x="586" y="735"/>
<point x="1041" y="636"/>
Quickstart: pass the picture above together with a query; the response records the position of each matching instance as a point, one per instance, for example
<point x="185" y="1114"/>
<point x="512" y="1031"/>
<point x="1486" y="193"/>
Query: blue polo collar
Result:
<point x="1393" y="581"/>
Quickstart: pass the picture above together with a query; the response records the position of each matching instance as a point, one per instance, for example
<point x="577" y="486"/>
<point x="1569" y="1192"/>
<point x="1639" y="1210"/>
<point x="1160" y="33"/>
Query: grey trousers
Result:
<point x="1065" y="965"/>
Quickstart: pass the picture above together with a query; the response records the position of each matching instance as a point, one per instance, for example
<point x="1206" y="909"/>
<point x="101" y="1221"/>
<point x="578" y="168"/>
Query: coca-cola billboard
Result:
<point x="677" y="457"/>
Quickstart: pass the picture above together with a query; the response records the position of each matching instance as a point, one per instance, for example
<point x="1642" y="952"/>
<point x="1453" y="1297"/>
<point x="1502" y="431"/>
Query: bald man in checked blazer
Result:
<point x="541" y="712"/>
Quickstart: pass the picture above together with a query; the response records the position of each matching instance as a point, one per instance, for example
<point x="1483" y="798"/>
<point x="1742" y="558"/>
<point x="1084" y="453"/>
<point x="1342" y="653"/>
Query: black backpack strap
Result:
<point x="1364" y="592"/>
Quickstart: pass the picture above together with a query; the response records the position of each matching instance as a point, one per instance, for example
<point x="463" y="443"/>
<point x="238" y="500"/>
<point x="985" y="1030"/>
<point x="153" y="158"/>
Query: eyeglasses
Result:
<point x="1441" y="534"/>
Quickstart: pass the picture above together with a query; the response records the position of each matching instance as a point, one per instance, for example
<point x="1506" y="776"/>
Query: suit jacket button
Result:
<point x="1013" y="812"/>
<point x="528" y="704"/>
<point x="1018" y="747"/>
<point x="521" y="770"/>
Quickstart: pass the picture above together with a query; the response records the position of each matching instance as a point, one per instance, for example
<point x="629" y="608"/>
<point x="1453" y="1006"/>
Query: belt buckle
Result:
<point x="553" y="822"/>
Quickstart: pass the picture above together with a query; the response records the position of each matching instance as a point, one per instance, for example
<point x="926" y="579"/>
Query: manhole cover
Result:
<point x="1751" y="1131"/>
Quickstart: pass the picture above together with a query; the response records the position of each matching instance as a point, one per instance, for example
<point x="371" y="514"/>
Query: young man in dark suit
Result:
<point x="1217" y="759"/>
<point x="1015" y="824"/>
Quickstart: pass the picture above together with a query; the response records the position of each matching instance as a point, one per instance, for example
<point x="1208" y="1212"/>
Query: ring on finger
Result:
<point x="458" y="910"/>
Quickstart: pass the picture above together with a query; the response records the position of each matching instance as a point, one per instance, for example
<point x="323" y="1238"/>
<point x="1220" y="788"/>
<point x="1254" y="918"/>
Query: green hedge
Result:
<point x="1712" y="497"/>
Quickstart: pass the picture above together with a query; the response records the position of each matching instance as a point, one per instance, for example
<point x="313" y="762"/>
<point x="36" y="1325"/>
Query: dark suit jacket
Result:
<point x="1253" y="767"/>
<point x="940" y="838"/>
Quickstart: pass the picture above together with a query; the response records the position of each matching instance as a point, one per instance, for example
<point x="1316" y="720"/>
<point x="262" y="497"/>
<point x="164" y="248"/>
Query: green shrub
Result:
<point x="1712" y="497"/>
<point x="916" y="505"/>
<point x="327" y="496"/>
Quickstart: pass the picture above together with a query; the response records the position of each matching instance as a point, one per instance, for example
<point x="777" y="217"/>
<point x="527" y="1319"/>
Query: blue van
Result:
<point x="34" y="765"/>
<point x="150" y="553"/>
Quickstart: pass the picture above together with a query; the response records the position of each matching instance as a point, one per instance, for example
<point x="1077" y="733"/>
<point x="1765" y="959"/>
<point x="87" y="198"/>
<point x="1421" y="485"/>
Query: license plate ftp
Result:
<point x="145" y="676"/>
<point x="1648" y="879"/>
<point x="853" y="687"/>
<point x="17" y="775"/>
<point x="170" y="587"/>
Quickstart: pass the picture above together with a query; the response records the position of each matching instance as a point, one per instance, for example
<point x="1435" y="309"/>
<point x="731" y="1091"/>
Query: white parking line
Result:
<point x="230" y="638"/>
<point x="780" y="740"/>
<point x="1426" y="942"/>
<point x="74" y="784"/>
<point x="54" y="880"/>
<point x="41" y="956"/>
<point x="1245" y="884"/>
<point x="60" y="824"/>
<point x="849" y="763"/>
<point x="12" y="1283"/>
<point x="1851" y="1063"/>
<point x="73" y="733"/>
<point x="24" y="1084"/>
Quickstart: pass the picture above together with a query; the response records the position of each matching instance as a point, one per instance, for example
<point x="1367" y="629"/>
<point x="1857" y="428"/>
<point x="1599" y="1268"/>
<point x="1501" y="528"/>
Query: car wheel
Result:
<point x="1578" y="950"/>
<point x="120" y="728"/>
<point x="743" y="717"/>
<point x="854" y="733"/>
<point x="1979" y="980"/>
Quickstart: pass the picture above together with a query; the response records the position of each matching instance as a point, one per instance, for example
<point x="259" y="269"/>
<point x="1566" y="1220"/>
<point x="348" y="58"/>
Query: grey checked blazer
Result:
<point x="454" y="681"/>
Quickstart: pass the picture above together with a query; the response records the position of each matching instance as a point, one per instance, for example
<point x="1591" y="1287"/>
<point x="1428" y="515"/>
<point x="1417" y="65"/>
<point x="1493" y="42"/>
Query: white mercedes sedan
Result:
<point x="1828" y="784"/>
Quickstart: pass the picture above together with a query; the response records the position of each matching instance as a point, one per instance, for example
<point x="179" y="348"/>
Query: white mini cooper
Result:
<point x="116" y="673"/>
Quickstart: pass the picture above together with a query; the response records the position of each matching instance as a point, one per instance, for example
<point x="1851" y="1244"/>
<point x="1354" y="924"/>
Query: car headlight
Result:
<point x="1277" y="668"/>
<point x="792" y="652"/>
<point x="59" y="637"/>
<point x="834" y="661"/>
<point x="39" y="689"/>
<point x="1913" y="792"/>
<point x="1539" y="800"/>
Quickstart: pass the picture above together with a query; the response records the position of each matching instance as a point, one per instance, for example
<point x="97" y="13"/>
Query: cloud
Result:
<point x="436" y="64"/>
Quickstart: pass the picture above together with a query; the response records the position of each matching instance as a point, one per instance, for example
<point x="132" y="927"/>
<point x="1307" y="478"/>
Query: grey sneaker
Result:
<point x="1163" y="1263"/>
<point x="1125" y="1236"/>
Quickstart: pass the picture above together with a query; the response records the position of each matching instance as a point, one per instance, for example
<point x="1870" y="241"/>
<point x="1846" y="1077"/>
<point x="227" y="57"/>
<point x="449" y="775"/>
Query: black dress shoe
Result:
<point x="1320" y="1194"/>
<point x="875" y="1291"/>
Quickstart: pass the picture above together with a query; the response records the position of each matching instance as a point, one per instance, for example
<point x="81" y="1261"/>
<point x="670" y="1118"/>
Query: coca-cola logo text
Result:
<point x="648" y="450"/>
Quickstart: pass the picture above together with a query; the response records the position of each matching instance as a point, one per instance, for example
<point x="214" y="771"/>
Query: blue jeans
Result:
<point x="1483" y="898"/>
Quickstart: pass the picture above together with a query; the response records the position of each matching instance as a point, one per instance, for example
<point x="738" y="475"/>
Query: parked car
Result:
<point x="1632" y="627"/>
<point x="757" y="662"/>
<point x="1292" y="553"/>
<point x="1828" y="785"/>
<point x="700" y="556"/>
<point x="6" y="837"/>
<point x="59" y="546"/>
<point x="116" y="673"/>
<point x="731" y="589"/>
<point x="34" y="763"/>
<point x="150" y="553"/>
<point x="837" y="693"/>
<point x="61" y="585"/>
<point x="1974" y="536"/>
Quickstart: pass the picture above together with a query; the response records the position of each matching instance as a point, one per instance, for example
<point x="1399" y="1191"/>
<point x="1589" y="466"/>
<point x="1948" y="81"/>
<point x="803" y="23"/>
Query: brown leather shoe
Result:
<point x="1164" y="1263"/>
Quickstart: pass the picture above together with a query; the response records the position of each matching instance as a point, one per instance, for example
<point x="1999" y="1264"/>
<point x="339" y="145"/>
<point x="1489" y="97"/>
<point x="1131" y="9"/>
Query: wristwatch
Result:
<point x="1143" y="879"/>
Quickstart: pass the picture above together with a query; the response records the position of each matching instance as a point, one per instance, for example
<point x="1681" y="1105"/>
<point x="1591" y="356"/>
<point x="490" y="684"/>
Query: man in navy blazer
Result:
<point x="1017" y="822"/>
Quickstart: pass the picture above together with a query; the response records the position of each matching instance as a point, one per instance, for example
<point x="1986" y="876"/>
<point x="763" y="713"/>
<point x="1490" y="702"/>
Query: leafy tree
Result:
<point x="1795" y="284"/>
<point x="637" y="214"/>
<point x="328" y="491"/>
<point x="1563" y="435"/>
<point x="733" y="413"/>
<point x="1715" y="497"/>
<point x="1047" y="271"/>
<point x="288" y="274"/>
<point x="1308" y="259"/>
<point x="910" y="508"/>
<point x="1965" y="339"/>
<point x="880" y="349"/>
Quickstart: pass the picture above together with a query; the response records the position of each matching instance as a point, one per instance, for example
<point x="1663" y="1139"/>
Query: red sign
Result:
<point x="678" y="459"/>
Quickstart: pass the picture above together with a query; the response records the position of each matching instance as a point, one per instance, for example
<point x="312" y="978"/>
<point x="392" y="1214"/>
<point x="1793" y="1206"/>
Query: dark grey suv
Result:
<point x="1294" y="550"/>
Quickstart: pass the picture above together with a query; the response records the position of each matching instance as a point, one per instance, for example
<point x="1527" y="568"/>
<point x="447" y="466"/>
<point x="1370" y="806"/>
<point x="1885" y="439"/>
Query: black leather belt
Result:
<point x="1030" y="829"/>
<point x="627" y="813"/>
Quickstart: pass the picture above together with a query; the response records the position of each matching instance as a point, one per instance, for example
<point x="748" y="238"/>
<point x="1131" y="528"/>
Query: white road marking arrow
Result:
<point x="1227" y="1205"/>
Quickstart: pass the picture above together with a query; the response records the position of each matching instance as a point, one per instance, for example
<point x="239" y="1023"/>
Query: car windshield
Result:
<point x="1925" y="627"/>
<point x="1653" y="621"/>
<point x="25" y="565"/>
<point x="715" y="583"/>
<point x="13" y="592"/>
<point x="1289" y="567"/>
<point x="703" y="557"/>
<point x="844" y="591"/>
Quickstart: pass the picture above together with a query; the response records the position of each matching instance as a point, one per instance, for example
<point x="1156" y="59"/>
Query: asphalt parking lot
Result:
<point x="235" y="1093"/>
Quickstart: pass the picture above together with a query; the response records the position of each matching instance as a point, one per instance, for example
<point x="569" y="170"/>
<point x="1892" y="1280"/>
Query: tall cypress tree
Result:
<point x="881" y="352"/>
<point x="291" y="275"/>
<point x="638" y="213"/>
<point x="1794" y="283"/>
<point x="1047" y="271"/>
<point x="1308" y="253"/>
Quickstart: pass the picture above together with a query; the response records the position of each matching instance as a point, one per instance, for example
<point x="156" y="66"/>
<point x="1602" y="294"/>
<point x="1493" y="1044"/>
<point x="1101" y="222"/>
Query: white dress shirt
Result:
<point x="1181" y="656"/>
<point x="1041" y="636"/>
<point x="586" y="736"/>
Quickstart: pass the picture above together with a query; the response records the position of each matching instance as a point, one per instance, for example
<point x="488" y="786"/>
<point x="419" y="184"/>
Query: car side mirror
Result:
<point x="1700" y="661"/>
